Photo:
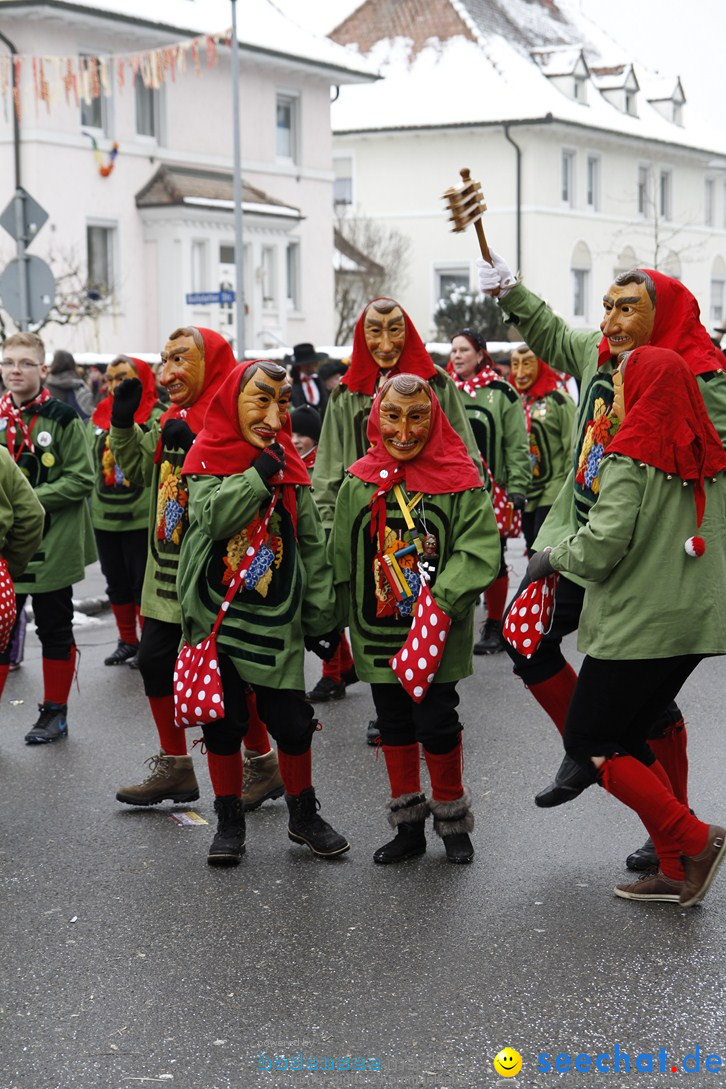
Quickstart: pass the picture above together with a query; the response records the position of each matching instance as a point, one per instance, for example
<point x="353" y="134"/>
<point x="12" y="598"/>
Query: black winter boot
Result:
<point x="490" y="638"/>
<point x="229" y="843"/>
<point x="407" y="814"/>
<point x="570" y="781"/>
<point x="307" y="827"/>
<point x="453" y="821"/>
<point x="644" y="859"/>
<point x="51" y="726"/>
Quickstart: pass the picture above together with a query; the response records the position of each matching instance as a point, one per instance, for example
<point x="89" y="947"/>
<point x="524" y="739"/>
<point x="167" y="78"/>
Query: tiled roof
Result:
<point x="177" y="185"/>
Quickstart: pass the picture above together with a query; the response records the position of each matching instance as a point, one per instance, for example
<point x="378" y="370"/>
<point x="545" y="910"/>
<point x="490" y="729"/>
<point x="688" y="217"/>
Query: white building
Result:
<point x="589" y="164"/>
<point x="159" y="225"/>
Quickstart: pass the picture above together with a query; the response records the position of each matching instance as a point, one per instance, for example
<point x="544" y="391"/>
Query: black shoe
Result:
<point x="459" y="848"/>
<point x="325" y="690"/>
<point x="373" y="734"/>
<point x="644" y="859"/>
<point x="133" y="663"/>
<point x="307" y="827"/>
<point x="410" y="842"/>
<point x="122" y="653"/>
<point x="490" y="638"/>
<point x="51" y="725"/>
<point x="349" y="677"/>
<point x="570" y="781"/>
<point x="229" y="843"/>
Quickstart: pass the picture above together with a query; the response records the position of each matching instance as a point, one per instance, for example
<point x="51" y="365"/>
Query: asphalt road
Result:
<point x="127" y="961"/>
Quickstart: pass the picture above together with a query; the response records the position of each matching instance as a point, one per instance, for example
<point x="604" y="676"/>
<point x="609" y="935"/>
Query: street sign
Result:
<point x="41" y="289"/>
<point x="32" y="217"/>
<point x="210" y="298"/>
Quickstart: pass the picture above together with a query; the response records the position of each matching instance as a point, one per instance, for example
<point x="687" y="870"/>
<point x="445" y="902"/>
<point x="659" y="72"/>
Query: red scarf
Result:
<point x="14" y="415"/>
<point x="149" y="396"/>
<point x="678" y="326"/>
<point x="220" y="450"/>
<point x="666" y="424"/>
<point x="482" y="378"/>
<point x="218" y="362"/>
<point x="364" y="372"/>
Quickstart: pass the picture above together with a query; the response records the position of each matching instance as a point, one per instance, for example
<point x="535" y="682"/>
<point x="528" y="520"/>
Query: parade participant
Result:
<point x="641" y="307"/>
<point x="497" y="420"/>
<point x="647" y="575"/>
<point x="195" y="362"/>
<point x="64" y="384"/>
<point x="330" y="373"/>
<point x="550" y="414"/>
<point x="120" y="509"/>
<point x="306" y="423"/>
<point x="307" y="388"/>
<point x="247" y="483"/>
<point x="21" y="531"/>
<point x="46" y="439"/>
<point x="417" y="482"/>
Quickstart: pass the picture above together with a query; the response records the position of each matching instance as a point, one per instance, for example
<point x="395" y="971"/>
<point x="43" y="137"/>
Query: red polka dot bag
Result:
<point x="530" y="616"/>
<point x="7" y="606"/>
<point x="198" y="693"/>
<point x="418" y="659"/>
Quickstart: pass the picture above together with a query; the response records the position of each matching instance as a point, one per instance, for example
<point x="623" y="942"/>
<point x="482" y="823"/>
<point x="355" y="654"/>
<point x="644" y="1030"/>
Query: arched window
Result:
<point x="672" y="266"/>
<point x="626" y="260"/>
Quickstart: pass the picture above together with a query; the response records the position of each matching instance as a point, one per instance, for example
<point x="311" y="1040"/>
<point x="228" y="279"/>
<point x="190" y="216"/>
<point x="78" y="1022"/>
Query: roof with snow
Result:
<point x="211" y="189"/>
<point x="448" y="63"/>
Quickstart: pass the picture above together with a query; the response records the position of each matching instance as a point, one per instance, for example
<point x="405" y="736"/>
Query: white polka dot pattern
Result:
<point x="7" y="605"/>
<point x="416" y="663"/>
<point x="198" y="695"/>
<point x="531" y="616"/>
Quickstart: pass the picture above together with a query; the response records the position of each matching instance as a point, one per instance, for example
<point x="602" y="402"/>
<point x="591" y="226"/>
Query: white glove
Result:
<point x="497" y="279"/>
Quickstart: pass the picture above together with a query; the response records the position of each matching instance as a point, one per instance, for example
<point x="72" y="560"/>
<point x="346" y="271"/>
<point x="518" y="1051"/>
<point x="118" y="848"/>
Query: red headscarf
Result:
<point x="444" y="464"/>
<point x="363" y="372"/>
<point x="218" y="362"/>
<point x="149" y="396"/>
<point x="666" y="424"/>
<point x="678" y="326"/>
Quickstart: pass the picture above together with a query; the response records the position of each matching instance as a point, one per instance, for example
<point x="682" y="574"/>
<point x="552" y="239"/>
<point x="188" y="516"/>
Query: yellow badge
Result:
<point x="48" y="460"/>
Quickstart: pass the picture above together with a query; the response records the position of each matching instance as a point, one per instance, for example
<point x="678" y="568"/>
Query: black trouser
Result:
<point x="158" y="650"/>
<point x="615" y="703"/>
<point x="289" y="718"/>
<point x="53" y="612"/>
<point x="532" y="524"/>
<point x="433" y="722"/>
<point x="503" y="572"/>
<point x="123" y="562"/>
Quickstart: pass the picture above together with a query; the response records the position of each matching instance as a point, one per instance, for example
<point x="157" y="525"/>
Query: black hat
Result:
<point x="331" y="367"/>
<point x="304" y="354"/>
<point x="306" y="421"/>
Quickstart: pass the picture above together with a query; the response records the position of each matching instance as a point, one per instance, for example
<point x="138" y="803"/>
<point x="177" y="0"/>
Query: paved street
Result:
<point x="128" y="961"/>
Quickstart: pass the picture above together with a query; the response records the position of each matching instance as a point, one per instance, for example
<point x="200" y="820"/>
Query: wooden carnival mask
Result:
<point x="121" y="368"/>
<point x="384" y="328"/>
<point x="629" y="317"/>
<point x="182" y="372"/>
<point x="405" y="416"/>
<point x="263" y="403"/>
<point x="524" y="368"/>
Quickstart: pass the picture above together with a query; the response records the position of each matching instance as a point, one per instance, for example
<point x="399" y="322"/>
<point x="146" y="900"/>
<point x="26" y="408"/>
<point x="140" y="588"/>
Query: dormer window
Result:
<point x="566" y="68"/>
<point x="631" y="102"/>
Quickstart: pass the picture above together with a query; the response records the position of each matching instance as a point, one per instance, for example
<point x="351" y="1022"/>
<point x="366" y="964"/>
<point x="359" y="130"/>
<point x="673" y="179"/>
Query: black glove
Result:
<point x="519" y="502"/>
<point x="539" y="567"/>
<point x="177" y="435"/>
<point x="270" y="462"/>
<point x="126" y="400"/>
<point x="324" y="646"/>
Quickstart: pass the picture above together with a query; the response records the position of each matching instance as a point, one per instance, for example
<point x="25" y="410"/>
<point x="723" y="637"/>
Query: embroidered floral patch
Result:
<point x="599" y="432"/>
<point x="171" y="506"/>
<point x="112" y="475"/>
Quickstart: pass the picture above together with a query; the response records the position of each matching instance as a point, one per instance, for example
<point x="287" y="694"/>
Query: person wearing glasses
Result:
<point x="46" y="439"/>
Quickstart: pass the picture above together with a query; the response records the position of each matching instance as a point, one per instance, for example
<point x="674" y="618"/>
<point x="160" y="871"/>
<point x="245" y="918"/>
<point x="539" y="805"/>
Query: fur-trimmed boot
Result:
<point x="453" y="821"/>
<point x="407" y="815"/>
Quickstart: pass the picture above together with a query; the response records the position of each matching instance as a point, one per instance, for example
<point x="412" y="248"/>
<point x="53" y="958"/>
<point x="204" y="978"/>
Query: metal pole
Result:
<point x="23" y="290"/>
<point x="238" y="243"/>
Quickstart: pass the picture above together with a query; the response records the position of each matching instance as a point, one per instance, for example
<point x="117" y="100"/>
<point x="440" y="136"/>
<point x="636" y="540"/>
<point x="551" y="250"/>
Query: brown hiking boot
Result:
<point x="171" y="778"/>
<point x="261" y="779"/>
<point x="701" y="869"/>
<point x="651" y="886"/>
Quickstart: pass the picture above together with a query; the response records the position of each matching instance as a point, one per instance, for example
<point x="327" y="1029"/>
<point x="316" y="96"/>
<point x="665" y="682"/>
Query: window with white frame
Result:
<point x="268" y="276"/>
<point x="200" y="269"/>
<point x="94" y="107"/>
<point x="287" y="126"/>
<point x="593" y="182"/>
<point x="665" y="194"/>
<point x="717" y="309"/>
<point x="101" y="260"/>
<point x="292" y="268"/>
<point x="723" y="193"/>
<point x="148" y="110"/>
<point x="709" y="203"/>
<point x="448" y="278"/>
<point x="643" y="196"/>
<point x="568" y="177"/>
<point x="581" y="265"/>
<point x="343" y="180"/>
<point x="631" y="102"/>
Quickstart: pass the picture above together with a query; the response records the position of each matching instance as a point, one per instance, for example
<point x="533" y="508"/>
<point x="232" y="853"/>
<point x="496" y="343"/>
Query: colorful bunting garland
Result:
<point x="104" y="168"/>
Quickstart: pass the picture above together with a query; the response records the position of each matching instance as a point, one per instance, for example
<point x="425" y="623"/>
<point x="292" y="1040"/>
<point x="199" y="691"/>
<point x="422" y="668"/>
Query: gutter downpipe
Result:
<point x="546" y="120"/>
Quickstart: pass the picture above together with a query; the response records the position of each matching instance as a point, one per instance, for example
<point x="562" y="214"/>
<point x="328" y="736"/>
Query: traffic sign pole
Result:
<point x="24" y="317"/>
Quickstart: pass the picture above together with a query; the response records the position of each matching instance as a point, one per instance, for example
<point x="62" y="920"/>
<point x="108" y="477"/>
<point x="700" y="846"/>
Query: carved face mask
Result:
<point x="629" y="317"/>
<point x="385" y="335"/>
<point x="405" y="423"/>
<point x="262" y="408"/>
<point x="182" y="373"/>
<point x="524" y="369"/>
<point x="116" y="373"/>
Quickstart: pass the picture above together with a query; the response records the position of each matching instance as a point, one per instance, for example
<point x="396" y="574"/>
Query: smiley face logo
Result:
<point x="508" y="1062"/>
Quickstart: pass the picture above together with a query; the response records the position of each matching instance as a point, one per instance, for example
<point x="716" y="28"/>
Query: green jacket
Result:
<point x="500" y="430"/>
<point x="117" y="505"/>
<point x="576" y="353"/>
<point x="60" y="473"/>
<point x="550" y="446"/>
<point x="21" y="517"/>
<point x="470" y="554"/>
<point x="645" y="597"/>
<point x="263" y="629"/>
<point x="343" y="437"/>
